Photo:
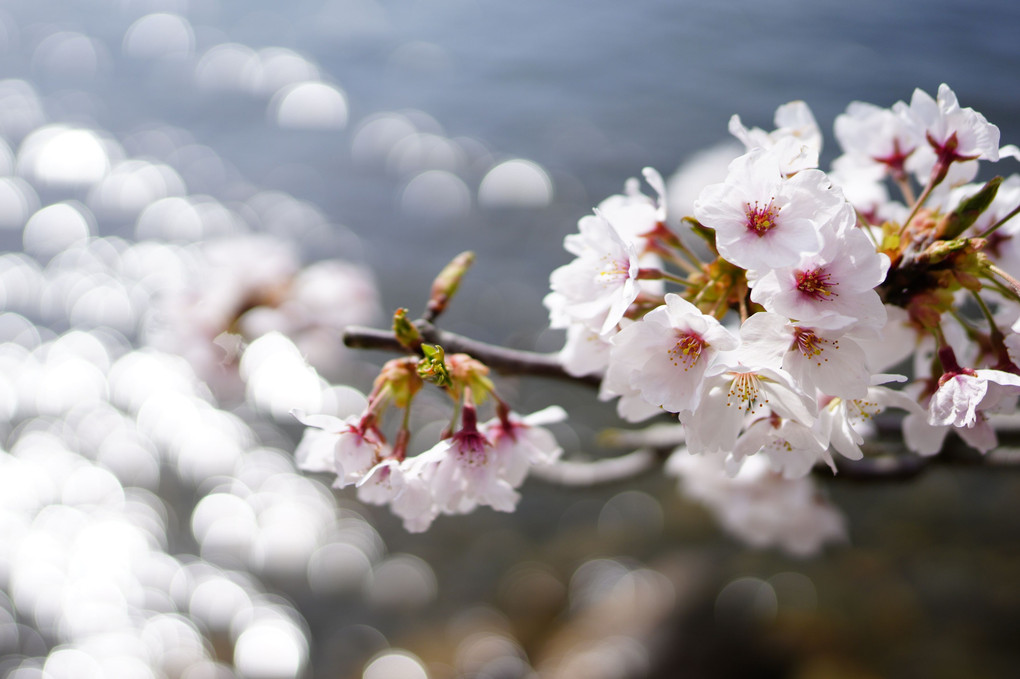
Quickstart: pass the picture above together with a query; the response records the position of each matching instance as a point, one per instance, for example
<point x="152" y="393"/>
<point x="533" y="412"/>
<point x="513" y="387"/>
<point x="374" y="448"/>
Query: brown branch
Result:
<point x="889" y="467"/>
<point x="906" y="466"/>
<point x="501" y="359"/>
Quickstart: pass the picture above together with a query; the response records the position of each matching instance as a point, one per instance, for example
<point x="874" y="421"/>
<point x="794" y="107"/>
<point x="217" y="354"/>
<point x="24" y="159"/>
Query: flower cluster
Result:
<point x="777" y="343"/>
<point x="804" y="303"/>
<point x="474" y="464"/>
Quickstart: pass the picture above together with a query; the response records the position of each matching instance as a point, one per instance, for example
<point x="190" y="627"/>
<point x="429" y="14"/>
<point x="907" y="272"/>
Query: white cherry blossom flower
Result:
<point x="962" y="133"/>
<point x="960" y="393"/>
<point x="520" y="442"/>
<point x="632" y="213"/>
<point x="764" y="220"/>
<point x="863" y="184"/>
<point x="833" y="288"/>
<point x="382" y="483"/>
<point x="796" y="141"/>
<point x="921" y="437"/>
<point x="1012" y="342"/>
<point x="630" y="405"/>
<point x="957" y="136"/>
<point x="843" y="421"/>
<point x="414" y="502"/>
<point x="792" y="448"/>
<point x="926" y="438"/>
<point x="736" y="389"/>
<point x="877" y="137"/>
<point x="467" y="470"/>
<point x="585" y="352"/>
<point x="818" y="359"/>
<point x="891" y="344"/>
<point x="664" y="355"/>
<point x="600" y="284"/>
<point x="354" y="446"/>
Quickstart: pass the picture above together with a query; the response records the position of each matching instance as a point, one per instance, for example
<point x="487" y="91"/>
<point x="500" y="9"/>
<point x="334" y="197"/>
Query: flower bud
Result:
<point x="433" y="366"/>
<point x="942" y="250"/>
<point x="969" y="209"/>
<point x="406" y="333"/>
<point x="444" y="287"/>
<point x="398" y="380"/>
<point x="468" y="372"/>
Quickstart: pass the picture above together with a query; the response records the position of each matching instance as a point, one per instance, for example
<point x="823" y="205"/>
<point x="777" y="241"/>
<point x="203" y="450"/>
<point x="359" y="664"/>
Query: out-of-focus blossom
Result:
<point x="758" y="505"/>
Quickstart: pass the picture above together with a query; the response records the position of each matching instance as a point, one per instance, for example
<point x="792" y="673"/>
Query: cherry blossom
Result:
<point x="833" y="288"/>
<point x="598" y="286"/>
<point x="796" y="141"/>
<point x="353" y="443"/>
<point x="665" y="355"/>
<point x="951" y="131"/>
<point x="831" y="362"/>
<point x="793" y="449"/>
<point x="962" y="391"/>
<point x="832" y="279"/>
<point x="466" y="475"/>
<point x="758" y="505"/>
<point x="841" y="420"/>
<point x="633" y="214"/>
<point x="520" y="442"/>
<point x="877" y="137"/>
<point x="736" y="389"/>
<point x="382" y="483"/>
<point x="414" y="502"/>
<point x="585" y="352"/>
<point x="764" y="220"/>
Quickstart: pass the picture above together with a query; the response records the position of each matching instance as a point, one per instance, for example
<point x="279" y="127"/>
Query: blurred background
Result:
<point x="173" y="170"/>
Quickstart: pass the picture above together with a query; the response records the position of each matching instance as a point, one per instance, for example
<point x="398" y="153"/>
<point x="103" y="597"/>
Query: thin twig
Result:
<point x="501" y="359"/>
<point x="890" y="468"/>
<point x="659" y="442"/>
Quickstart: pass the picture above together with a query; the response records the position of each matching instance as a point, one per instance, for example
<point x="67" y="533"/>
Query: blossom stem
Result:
<point x="1013" y="283"/>
<point x="985" y="310"/>
<point x="903" y="182"/>
<point x="991" y="229"/>
<point x="502" y="359"/>
<point x="452" y="426"/>
<point x="938" y="173"/>
<point x="1003" y="289"/>
<point x="864" y="226"/>
<point x="996" y="337"/>
<point x="890" y="468"/>
<point x="687" y="252"/>
<point x="672" y="256"/>
<point x="659" y="274"/>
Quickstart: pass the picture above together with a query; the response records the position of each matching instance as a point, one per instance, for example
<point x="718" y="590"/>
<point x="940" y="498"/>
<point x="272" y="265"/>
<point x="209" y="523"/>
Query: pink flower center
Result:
<point x="470" y="447"/>
<point x="687" y="350"/>
<point x="760" y="219"/>
<point x="810" y="344"/>
<point x="816" y="284"/>
<point x="896" y="159"/>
